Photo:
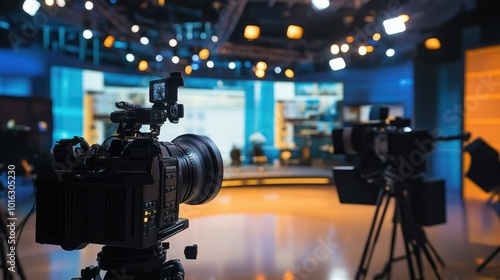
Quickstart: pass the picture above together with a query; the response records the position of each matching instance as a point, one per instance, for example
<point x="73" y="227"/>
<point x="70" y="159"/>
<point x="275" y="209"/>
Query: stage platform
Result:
<point x="268" y="175"/>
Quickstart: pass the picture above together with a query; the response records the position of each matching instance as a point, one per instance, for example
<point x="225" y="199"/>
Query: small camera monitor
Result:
<point x="158" y="91"/>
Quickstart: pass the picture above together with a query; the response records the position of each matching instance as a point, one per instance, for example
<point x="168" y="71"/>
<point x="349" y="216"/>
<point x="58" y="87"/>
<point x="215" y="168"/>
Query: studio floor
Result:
<point x="285" y="233"/>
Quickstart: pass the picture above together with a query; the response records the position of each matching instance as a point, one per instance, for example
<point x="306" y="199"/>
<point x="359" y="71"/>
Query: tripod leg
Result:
<point x="367" y="251"/>
<point x="387" y="269"/>
<point x="406" y="235"/>
<point x="417" y="233"/>
<point x="488" y="259"/>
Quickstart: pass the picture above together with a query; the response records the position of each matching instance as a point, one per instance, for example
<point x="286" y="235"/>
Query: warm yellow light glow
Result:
<point x="433" y="44"/>
<point x="376" y="36"/>
<point x="344" y="48"/>
<point x="49" y="2"/>
<point x="276" y="181"/>
<point x="260" y="277"/>
<point x="289" y="73"/>
<point x="143" y="65"/>
<point x="204" y="54"/>
<point x="294" y="32"/>
<point x="252" y="32"/>
<point x="369" y="49"/>
<point x="404" y="17"/>
<point x="188" y="70"/>
<point x="161" y="3"/>
<point x="260" y="73"/>
<point x="288" y="276"/>
<point x="349" y="39"/>
<point x="109" y="41"/>
<point x="261" y="65"/>
<point x="145" y="220"/>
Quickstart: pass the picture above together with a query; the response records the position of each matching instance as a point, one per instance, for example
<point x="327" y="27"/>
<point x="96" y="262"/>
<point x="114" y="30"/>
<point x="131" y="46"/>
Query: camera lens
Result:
<point x="200" y="168"/>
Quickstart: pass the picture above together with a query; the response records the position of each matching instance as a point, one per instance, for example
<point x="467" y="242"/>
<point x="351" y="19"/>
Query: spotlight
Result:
<point x="344" y="48"/>
<point x="31" y="7"/>
<point x="188" y="70"/>
<point x="89" y="5"/>
<point x="289" y="73"/>
<point x="204" y="54"/>
<point x="320" y="4"/>
<point x="195" y="58"/>
<point x="390" y="52"/>
<point x="159" y="58"/>
<point x="277" y="70"/>
<point x="260" y="73"/>
<point x="172" y="43"/>
<point x="109" y="41"/>
<point x="49" y="3"/>
<point x="376" y="36"/>
<point x="215" y="39"/>
<point x="432" y="44"/>
<point x="143" y="65"/>
<point x="362" y="50"/>
<point x="294" y="32"/>
<point x="251" y="32"/>
<point x="61" y="3"/>
<point x="349" y="39"/>
<point x="135" y="28"/>
<point x="231" y="65"/>
<point x="210" y="64"/>
<point x="261" y="65"/>
<point x="334" y="49"/>
<point x="369" y="49"/>
<point x="144" y="40"/>
<point x="175" y="59"/>
<point x="404" y="17"/>
<point x="87" y="34"/>
<point x="337" y="63"/>
<point x="394" y="25"/>
<point x="130" y="57"/>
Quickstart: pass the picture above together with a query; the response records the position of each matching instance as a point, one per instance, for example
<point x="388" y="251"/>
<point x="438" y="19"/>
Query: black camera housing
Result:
<point x="126" y="193"/>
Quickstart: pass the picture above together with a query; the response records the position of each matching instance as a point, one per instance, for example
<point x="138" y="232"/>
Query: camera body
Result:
<point x="127" y="193"/>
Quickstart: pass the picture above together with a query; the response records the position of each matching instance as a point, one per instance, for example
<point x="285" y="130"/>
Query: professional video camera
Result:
<point x="388" y="162"/>
<point x="126" y="194"/>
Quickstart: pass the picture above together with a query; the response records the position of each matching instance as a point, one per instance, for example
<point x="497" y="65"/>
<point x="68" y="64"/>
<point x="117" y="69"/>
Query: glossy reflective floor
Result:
<point x="288" y="233"/>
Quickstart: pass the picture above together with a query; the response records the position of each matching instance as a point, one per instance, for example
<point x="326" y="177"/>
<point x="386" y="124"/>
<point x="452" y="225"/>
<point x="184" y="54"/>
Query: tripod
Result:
<point x="415" y="240"/>
<point x="497" y="250"/>
<point x="144" y="264"/>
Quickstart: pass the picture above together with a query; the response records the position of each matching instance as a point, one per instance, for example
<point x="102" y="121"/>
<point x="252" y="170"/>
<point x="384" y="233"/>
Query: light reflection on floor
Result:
<point x="278" y="233"/>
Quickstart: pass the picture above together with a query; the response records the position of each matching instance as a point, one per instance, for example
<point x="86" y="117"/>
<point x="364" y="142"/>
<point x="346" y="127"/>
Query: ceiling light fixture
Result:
<point x="210" y="64"/>
<point x="260" y="73"/>
<point x="144" y="40"/>
<point x="289" y="73"/>
<point x="344" y="48"/>
<point x="231" y="65"/>
<point x="337" y="63"/>
<point x="89" y="5"/>
<point x="87" y="34"/>
<point x="204" y="54"/>
<point x="31" y="7"/>
<point x="376" y="36"/>
<point x="335" y="49"/>
<point x="362" y="50"/>
<point x="109" y="41"/>
<point x="320" y="5"/>
<point x="294" y="32"/>
<point x="390" y="52"/>
<point x="175" y="59"/>
<point x="172" y="43"/>
<point x="394" y="25"/>
<point x="188" y="70"/>
<point x="135" y="28"/>
<point x="251" y="32"/>
<point x="432" y="44"/>
<point x="159" y="58"/>
<point x="143" y="65"/>
<point x="130" y="57"/>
